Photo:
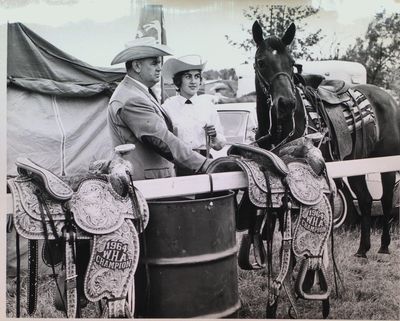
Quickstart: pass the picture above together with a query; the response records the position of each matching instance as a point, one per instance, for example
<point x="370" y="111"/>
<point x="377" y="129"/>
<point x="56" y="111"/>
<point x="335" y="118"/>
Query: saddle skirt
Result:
<point x="98" y="209"/>
<point x="312" y="229"/>
<point x="112" y="266"/>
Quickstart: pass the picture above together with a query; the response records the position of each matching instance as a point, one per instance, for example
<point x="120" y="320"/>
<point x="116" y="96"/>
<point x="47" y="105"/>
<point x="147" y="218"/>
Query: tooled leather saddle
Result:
<point x="103" y="207"/>
<point x="340" y="110"/>
<point x="298" y="191"/>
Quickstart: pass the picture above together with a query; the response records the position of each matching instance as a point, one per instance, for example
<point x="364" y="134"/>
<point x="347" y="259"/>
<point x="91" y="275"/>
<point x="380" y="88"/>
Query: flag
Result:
<point x="151" y="23"/>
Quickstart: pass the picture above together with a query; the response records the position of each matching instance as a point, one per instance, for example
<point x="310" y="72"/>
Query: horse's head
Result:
<point x="274" y="70"/>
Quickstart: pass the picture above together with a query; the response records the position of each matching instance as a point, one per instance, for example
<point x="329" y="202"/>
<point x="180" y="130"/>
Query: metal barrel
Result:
<point x="188" y="267"/>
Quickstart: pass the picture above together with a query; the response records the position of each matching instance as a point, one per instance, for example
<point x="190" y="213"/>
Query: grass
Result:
<point x="372" y="286"/>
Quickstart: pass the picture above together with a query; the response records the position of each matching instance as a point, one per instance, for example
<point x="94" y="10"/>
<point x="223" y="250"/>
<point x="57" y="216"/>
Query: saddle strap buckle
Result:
<point x="308" y="276"/>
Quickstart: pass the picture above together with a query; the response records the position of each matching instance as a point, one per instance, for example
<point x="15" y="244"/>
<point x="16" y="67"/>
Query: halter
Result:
<point x="266" y="87"/>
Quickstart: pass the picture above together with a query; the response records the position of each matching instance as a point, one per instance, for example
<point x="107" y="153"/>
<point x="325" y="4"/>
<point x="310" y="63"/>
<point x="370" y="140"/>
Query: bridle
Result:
<point x="266" y="88"/>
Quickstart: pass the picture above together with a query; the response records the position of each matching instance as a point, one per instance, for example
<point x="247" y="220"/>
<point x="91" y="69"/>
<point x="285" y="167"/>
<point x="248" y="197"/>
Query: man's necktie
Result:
<point x="152" y="93"/>
<point x="188" y="102"/>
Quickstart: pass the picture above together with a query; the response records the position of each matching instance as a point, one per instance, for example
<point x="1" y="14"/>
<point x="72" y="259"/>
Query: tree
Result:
<point x="226" y="74"/>
<point x="274" y="20"/>
<point x="379" y="50"/>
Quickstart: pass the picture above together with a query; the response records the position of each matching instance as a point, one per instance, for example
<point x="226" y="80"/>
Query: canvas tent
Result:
<point x="56" y="105"/>
<point x="56" y="112"/>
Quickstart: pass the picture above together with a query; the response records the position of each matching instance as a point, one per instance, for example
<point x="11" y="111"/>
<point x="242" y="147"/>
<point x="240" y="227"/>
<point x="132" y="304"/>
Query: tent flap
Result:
<point x="32" y="57"/>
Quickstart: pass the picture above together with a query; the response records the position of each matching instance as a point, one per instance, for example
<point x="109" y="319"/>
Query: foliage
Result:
<point x="274" y="19"/>
<point x="379" y="50"/>
<point x="226" y="74"/>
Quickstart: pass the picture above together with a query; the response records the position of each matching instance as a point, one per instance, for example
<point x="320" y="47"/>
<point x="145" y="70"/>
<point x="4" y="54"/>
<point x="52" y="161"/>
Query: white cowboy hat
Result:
<point x="175" y="65"/>
<point x="140" y="48"/>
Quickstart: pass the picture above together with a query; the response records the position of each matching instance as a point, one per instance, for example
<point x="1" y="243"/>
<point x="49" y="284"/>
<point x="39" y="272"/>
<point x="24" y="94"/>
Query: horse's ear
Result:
<point x="257" y="33"/>
<point x="289" y="34"/>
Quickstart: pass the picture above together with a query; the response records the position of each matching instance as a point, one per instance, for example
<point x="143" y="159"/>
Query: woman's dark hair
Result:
<point x="177" y="78"/>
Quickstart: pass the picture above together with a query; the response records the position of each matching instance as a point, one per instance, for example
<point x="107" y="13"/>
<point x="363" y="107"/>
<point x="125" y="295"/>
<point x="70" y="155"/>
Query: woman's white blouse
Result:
<point x="189" y="119"/>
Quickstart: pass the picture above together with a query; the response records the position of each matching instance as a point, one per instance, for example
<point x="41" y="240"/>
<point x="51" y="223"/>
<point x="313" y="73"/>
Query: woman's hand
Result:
<point x="210" y="131"/>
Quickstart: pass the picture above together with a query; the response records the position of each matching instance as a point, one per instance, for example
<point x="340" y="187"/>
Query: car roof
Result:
<point x="248" y="106"/>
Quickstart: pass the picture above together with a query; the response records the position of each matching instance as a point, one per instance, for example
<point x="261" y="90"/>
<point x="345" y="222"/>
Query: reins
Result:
<point x="266" y="87"/>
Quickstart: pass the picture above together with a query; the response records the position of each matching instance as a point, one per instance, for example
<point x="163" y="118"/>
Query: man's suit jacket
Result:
<point x="136" y="117"/>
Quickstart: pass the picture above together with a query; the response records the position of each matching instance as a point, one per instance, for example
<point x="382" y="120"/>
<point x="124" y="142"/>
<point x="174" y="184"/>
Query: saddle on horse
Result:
<point x="103" y="207"/>
<point x="289" y="187"/>
<point x="345" y="112"/>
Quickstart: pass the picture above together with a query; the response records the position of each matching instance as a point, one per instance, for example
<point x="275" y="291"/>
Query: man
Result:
<point x="135" y="116"/>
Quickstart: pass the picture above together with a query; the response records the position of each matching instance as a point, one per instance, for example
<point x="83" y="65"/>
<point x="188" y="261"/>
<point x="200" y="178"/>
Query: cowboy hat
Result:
<point x="175" y="65"/>
<point x="141" y="48"/>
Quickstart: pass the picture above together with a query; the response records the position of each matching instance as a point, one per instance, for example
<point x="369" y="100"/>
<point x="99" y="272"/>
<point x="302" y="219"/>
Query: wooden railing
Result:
<point x="196" y="184"/>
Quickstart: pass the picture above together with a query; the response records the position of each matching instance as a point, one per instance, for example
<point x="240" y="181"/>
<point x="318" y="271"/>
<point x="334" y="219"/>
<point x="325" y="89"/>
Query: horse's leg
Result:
<point x="388" y="180"/>
<point x="359" y="186"/>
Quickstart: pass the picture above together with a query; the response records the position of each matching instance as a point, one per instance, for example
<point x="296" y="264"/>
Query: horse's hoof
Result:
<point x="363" y="255"/>
<point x="384" y="250"/>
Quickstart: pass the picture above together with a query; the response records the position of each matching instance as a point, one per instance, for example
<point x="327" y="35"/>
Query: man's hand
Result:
<point x="210" y="130"/>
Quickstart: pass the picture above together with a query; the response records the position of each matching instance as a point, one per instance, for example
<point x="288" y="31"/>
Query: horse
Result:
<point x="282" y="118"/>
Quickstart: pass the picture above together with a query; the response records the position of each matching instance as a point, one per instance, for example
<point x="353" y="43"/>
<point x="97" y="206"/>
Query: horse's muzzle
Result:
<point x="285" y="107"/>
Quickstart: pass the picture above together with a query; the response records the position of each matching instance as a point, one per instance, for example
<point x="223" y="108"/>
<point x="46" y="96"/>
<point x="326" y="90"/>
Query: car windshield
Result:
<point x="234" y="124"/>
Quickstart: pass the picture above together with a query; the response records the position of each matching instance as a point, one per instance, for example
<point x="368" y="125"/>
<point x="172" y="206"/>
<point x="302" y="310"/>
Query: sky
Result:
<point x="96" y="30"/>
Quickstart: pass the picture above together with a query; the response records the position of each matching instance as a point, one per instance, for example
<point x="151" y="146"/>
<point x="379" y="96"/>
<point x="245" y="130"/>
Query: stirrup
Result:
<point x="307" y="274"/>
<point x="244" y="253"/>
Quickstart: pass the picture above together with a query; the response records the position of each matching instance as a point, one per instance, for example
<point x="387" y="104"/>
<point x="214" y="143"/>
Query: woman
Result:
<point x="194" y="118"/>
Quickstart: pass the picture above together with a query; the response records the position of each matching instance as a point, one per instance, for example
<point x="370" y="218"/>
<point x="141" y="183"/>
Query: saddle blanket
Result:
<point x="361" y="113"/>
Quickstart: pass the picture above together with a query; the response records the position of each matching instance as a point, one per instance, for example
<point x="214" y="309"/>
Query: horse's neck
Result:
<point x="266" y="115"/>
<point x="300" y="117"/>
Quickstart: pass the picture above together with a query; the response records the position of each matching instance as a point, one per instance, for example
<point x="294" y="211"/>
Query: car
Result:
<point x="239" y="123"/>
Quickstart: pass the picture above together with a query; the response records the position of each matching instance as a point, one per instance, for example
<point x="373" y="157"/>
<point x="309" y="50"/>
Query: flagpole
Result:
<point x="162" y="58"/>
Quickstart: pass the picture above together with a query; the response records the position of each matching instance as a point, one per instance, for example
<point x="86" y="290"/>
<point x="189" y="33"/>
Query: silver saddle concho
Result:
<point x="42" y="203"/>
<point x="270" y="178"/>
